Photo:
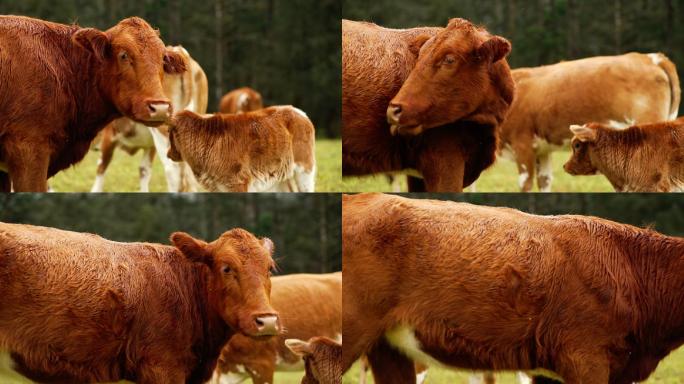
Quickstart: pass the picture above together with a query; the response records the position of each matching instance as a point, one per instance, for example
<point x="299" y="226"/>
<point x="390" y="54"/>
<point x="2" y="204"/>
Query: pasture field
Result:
<point x="501" y="177"/>
<point x="670" y="371"/>
<point x="122" y="174"/>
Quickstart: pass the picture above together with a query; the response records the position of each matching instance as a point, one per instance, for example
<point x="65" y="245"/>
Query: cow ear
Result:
<point x="92" y="40"/>
<point x="174" y="63"/>
<point x="583" y="133"/>
<point x="299" y="347"/>
<point x="193" y="249"/>
<point x="268" y="244"/>
<point x="494" y="49"/>
<point x="417" y="43"/>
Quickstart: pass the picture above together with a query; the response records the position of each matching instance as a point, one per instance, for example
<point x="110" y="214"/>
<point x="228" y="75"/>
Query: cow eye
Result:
<point x="449" y="59"/>
<point x="123" y="55"/>
<point x="577" y="145"/>
<point x="226" y="269"/>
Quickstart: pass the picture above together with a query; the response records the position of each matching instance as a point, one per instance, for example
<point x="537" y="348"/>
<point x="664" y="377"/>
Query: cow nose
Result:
<point x="267" y="325"/>
<point x="159" y="111"/>
<point x="393" y="114"/>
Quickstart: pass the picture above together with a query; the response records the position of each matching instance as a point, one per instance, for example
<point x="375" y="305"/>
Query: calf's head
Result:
<point x="130" y="61"/>
<point x="239" y="282"/>
<point x="322" y="359"/>
<point x="583" y="143"/>
<point x="450" y="78"/>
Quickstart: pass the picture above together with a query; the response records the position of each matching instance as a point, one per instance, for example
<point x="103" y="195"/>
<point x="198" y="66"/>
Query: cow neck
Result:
<point x="615" y="149"/>
<point x="210" y="331"/>
<point x="658" y="264"/>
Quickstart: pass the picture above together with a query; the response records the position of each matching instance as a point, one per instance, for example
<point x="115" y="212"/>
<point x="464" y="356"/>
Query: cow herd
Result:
<point x="63" y="84"/>
<point x="440" y="104"/>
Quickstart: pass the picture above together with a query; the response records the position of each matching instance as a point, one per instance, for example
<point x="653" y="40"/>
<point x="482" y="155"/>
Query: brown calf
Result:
<point x="322" y="359"/>
<point x="641" y="158"/>
<point x="632" y="88"/>
<point x="62" y="84"/>
<point x="267" y="150"/>
<point x="75" y="307"/>
<point x="308" y="306"/>
<point x="451" y="84"/>
<point x="241" y="100"/>
<point x="574" y="297"/>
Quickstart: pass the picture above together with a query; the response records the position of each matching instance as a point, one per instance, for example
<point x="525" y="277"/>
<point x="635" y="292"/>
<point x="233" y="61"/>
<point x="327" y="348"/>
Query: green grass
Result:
<point x="122" y="174"/>
<point x="670" y="371"/>
<point x="501" y="177"/>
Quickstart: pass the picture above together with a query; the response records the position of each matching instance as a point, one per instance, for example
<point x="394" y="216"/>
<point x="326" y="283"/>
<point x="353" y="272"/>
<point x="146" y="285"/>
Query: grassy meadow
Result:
<point x="500" y="177"/>
<point x="670" y="371"/>
<point x="122" y="174"/>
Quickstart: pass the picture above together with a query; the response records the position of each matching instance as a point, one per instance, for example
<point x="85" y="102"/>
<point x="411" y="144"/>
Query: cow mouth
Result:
<point x="406" y="130"/>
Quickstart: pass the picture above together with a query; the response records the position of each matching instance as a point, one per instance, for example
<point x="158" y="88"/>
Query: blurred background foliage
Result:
<point x="546" y="31"/>
<point x="662" y="212"/>
<point x="305" y="228"/>
<point x="289" y="50"/>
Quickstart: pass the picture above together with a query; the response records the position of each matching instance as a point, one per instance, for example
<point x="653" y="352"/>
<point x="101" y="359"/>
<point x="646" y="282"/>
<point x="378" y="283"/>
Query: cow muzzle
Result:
<point x="267" y="325"/>
<point x="393" y="117"/>
<point x="159" y="111"/>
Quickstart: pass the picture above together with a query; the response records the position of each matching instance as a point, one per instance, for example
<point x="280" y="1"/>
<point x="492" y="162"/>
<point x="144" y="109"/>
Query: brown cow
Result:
<point x="619" y="90"/>
<point x="585" y="299"/>
<point x="62" y="84"/>
<point x="267" y="150"/>
<point x="469" y="89"/>
<point x="641" y="158"/>
<point x="75" y="307"/>
<point x="187" y="91"/>
<point x="308" y="306"/>
<point x="322" y="359"/>
<point x="241" y="100"/>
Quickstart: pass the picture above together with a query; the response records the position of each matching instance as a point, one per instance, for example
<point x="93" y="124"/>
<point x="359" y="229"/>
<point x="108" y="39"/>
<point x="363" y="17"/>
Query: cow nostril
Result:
<point x="396" y="110"/>
<point x="259" y="322"/>
<point x="152" y="108"/>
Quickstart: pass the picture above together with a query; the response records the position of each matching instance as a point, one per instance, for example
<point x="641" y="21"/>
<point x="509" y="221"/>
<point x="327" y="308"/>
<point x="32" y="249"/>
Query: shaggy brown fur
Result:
<point x="241" y="100"/>
<point x="76" y="308"/>
<point x="322" y="359"/>
<point x="60" y="85"/>
<point x="270" y="149"/>
<point x="493" y="288"/>
<point x="308" y="306"/>
<point x="641" y="158"/>
<point x="463" y="122"/>
<point x="627" y="88"/>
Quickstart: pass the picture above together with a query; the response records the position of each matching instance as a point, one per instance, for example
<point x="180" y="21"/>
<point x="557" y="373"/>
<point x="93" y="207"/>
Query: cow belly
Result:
<point x="404" y="339"/>
<point x="141" y="139"/>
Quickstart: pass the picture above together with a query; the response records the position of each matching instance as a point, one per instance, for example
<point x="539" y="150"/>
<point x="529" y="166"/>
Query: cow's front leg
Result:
<point x="159" y="374"/>
<point x="28" y="169"/>
<point x="390" y="366"/>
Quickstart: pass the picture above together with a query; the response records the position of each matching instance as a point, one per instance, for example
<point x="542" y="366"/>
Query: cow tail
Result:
<point x="675" y="91"/>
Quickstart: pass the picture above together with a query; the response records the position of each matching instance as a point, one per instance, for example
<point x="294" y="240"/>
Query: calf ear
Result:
<point x="268" y="244"/>
<point x="92" y="40"/>
<point x="494" y="49"/>
<point x="583" y="133"/>
<point x="417" y="43"/>
<point x="195" y="250"/>
<point x="174" y="63"/>
<point x="299" y="347"/>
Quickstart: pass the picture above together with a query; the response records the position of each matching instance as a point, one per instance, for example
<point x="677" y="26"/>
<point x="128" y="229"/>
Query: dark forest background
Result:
<point x="546" y="31"/>
<point x="305" y="228"/>
<point x="289" y="50"/>
<point x="662" y="212"/>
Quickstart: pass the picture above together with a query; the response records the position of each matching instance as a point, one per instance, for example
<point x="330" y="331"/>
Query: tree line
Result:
<point x="288" y="50"/>
<point x="305" y="228"/>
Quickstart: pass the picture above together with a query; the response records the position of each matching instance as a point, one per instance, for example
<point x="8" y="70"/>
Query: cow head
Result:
<point x="584" y="139"/>
<point x="239" y="284"/>
<point x="322" y="359"/>
<point x="130" y="61"/>
<point x="450" y="80"/>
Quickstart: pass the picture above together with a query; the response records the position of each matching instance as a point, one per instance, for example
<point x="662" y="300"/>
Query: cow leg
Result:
<point x="146" y="169"/>
<point x="28" y="170"/>
<point x="5" y="183"/>
<point x="544" y="172"/>
<point x="415" y="184"/>
<point x="261" y="374"/>
<point x="363" y="370"/>
<point x="106" y="153"/>
<point x="306" y="181"/>
<point x="443" y="178"/>
<point x="526" y="160"/>
<point x="584" y="368"/>
<point x="155" y="374"/>
<point x="390" y="366"/>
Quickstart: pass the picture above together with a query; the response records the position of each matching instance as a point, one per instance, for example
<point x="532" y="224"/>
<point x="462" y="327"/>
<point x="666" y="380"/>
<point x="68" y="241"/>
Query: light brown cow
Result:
<point x="641" y="158"/>
<point x="308" y="306"/>
<point x="449" y="90"/>
<point x="574" y="297"/>
<point x="62" y="84"/>
<point x="187" y="91"/>
<point x="267" y="150"/>
<point x="241" y="100"/>
<point x="618" y="90"/>
<point x="322" y="358"/>
<point x="75" y="307"/>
